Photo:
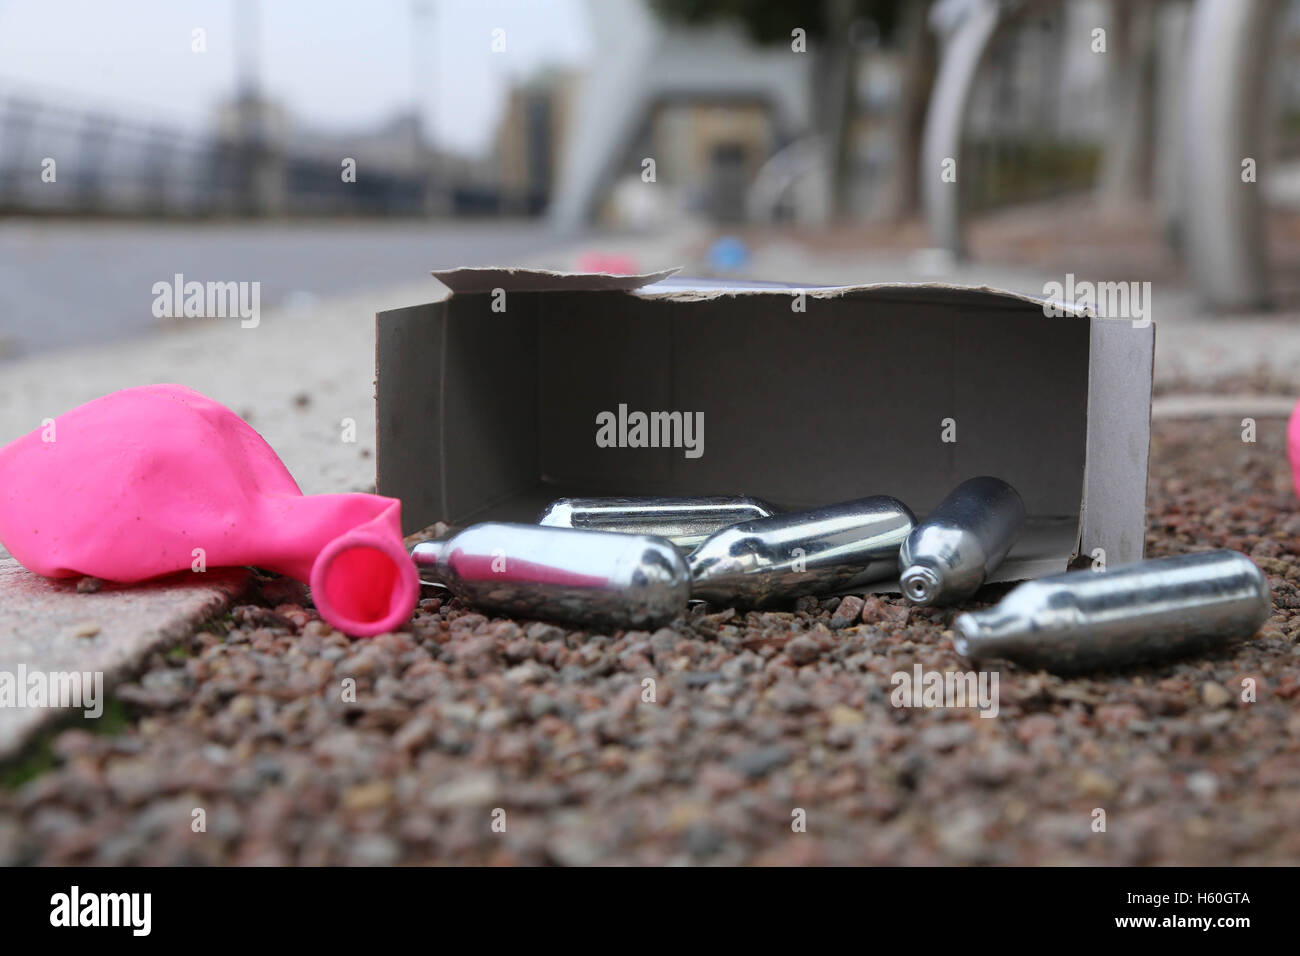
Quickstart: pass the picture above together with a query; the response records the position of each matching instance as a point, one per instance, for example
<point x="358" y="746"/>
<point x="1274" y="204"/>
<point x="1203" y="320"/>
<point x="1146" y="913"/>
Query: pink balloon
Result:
<point x="128" y="486"/>
<point x="1293" y="446"/>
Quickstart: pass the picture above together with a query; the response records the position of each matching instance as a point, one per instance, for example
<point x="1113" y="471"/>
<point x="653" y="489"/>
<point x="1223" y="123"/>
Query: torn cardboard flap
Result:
<point x="476" y="279"/>
<point x="490" y="406"/>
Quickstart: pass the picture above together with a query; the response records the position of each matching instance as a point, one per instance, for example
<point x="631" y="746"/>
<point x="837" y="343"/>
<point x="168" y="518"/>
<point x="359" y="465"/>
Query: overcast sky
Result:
<point x="332" y="63"/>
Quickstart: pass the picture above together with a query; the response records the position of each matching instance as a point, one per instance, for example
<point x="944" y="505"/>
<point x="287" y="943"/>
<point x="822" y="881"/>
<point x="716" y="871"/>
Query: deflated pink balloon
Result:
<point x="1293" y="446"/>
<point x="129" y="486"/>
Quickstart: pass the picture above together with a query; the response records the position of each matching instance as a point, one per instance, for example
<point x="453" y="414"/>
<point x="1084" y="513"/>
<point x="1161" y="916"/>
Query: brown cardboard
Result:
<point x="492" y="414"/>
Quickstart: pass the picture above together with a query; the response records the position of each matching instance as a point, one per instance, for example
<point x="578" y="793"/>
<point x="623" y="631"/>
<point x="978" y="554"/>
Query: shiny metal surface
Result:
<point x="948" y="556"/>
<point x="684" y="521"/>
<point x="593" y="578"/>
<point x="1087" y="620"/>
<point x="810" y="552"/>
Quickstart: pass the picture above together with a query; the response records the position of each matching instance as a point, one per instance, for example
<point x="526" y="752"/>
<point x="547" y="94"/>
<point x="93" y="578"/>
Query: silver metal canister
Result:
<point x="810" y="552"/>
<point x="585" y="577"/>
<point x="950" y="554"/>
<point x="1088" y="620"/>
<point x="683" y="521"/>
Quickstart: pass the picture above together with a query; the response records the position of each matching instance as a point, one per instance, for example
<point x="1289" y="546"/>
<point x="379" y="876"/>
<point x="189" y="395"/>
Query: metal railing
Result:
<point x="63" y="160"/>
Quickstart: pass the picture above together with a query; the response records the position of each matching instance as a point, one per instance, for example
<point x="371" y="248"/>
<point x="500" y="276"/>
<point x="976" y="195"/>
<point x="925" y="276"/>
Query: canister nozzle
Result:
<point x="427" y="554"/>
<point x="920" y="583"/>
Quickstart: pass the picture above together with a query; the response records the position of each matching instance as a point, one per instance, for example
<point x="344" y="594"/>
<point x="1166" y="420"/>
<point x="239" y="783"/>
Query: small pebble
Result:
<point x="1215" y="695"/>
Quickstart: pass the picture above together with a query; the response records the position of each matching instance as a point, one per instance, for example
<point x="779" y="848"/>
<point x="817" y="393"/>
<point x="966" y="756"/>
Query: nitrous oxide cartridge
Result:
<point x="683" y="521"/>
<point x="1088" y="620"/>
<point x="594" y="578"/>
<point x="810" y="552"/>
<point x="950" y="554"/>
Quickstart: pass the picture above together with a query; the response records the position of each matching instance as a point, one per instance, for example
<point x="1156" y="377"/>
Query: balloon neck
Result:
<point x="363" y="581"/>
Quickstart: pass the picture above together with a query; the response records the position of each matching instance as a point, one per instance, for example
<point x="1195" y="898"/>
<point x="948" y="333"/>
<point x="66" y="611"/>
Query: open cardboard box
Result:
<point x="487" y="400"/>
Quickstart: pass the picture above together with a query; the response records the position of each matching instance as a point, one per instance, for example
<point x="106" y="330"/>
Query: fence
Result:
<point x="56" y="159"/>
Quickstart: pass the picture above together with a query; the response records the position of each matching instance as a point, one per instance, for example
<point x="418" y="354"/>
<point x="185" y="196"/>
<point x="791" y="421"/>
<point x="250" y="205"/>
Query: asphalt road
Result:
<point x="67" y="283"/>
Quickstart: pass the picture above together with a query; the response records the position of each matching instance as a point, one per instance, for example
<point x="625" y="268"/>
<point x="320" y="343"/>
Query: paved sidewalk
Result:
<point x="295" y="377"/>
<point x="49" y="627"/>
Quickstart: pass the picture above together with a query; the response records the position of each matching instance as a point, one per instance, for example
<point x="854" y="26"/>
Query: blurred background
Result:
<point x="336" y="152"/>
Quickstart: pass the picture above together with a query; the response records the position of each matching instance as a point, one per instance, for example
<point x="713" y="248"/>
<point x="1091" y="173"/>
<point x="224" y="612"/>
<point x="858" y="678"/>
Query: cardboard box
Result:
<point x="490" y="400"/>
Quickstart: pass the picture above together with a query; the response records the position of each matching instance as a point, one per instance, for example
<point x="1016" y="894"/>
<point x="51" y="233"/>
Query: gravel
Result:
<point x="728" y="738"/>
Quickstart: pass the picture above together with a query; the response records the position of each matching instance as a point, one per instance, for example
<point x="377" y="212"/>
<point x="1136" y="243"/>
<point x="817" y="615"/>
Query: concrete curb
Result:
<point x="47" y="627"/>
<point x="1210" y="406"/>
